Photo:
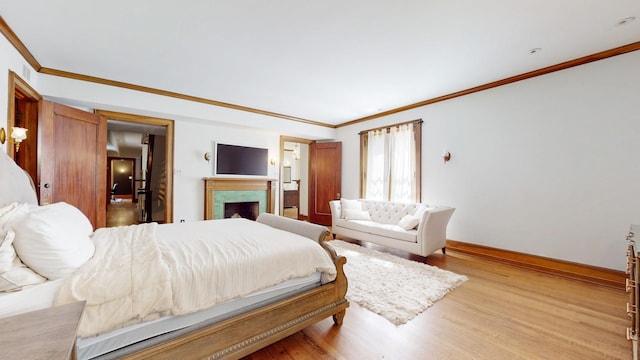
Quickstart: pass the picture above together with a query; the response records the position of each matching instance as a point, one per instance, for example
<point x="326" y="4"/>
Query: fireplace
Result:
<point x="219" y="191"/>
<point x="244" y="209"/>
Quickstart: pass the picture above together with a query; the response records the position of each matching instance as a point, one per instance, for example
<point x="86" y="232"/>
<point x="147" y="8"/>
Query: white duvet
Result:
<point x="145" y="271"/>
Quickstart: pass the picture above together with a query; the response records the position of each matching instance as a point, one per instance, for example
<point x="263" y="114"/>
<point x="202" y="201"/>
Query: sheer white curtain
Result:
<point x="377" y="165"/>
<point x="403" y="164"/>
<point x="391" y="164"/>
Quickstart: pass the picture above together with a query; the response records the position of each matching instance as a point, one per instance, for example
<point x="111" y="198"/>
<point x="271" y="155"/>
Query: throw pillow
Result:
<point x="346" y="204"/>
<point x="420" y="210"/>
<point x="409" y="222"/>
<point x="351" y="214"/>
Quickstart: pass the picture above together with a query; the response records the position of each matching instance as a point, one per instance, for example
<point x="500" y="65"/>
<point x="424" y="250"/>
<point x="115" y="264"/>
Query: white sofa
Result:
<point x="390" y="224"/>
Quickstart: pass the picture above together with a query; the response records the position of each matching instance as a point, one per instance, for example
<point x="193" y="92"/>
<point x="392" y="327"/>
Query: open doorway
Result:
<point x="149" y="142"/>
<point x="121" y="173"/>
<point x="294" y="177"/>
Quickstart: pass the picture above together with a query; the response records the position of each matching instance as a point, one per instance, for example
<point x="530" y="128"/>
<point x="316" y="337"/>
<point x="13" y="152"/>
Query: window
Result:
<point x="390" y="159"/>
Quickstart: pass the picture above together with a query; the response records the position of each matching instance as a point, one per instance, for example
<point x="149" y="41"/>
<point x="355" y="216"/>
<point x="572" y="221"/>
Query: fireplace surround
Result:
<point x="217" y="191"/>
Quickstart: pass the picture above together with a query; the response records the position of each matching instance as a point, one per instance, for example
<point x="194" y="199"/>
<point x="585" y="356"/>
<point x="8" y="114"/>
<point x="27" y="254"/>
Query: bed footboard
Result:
<point x="246" y="333"/>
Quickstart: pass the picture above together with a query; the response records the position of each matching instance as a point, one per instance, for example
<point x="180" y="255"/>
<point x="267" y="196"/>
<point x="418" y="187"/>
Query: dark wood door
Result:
<point x="72" y="146"/>
<point x="325" y="161"/>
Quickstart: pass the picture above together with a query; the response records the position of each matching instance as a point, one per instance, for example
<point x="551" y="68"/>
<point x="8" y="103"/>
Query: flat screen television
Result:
<point x="240" y="160"/>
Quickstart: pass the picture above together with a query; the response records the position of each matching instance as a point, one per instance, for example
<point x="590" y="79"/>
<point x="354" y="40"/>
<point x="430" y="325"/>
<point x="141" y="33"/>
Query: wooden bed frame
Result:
<point x="242" y="334"/>
<point x="248" y="332"/>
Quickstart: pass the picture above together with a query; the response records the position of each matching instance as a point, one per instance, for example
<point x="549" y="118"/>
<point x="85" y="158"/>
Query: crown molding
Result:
<point x="176" y="95"/>
<point x="22" y="49"/>
<point x="15" y="41"/>
<point x="546" y="70"/>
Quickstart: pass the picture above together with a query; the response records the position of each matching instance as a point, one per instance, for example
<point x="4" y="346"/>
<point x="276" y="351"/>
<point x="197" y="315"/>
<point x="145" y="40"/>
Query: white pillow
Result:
<point x="420" y="210"/>
<point x="351" y="214"/>
<point x="54" y="239"/>
<point x="13" y="274"/>
<point x="409" y="222"/>
<point x="346" y="204"/>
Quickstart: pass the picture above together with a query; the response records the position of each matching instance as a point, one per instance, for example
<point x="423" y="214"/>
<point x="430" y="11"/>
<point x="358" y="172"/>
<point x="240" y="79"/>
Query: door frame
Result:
<point x="284" y="139"/>
<point x="20" y="89"/>
<point x="169" y="136"/>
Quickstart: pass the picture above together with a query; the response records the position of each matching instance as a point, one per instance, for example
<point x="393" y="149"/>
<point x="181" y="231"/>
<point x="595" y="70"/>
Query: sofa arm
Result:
<point x="336" y="213"/>
<point x="432" y="231"/>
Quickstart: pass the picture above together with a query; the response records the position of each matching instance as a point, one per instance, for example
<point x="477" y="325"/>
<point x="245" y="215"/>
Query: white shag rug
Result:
<point x="395" y="288"/>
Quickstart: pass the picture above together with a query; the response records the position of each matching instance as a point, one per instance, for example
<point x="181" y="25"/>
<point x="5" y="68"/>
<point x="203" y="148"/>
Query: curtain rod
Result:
<point x="417" y="121"/>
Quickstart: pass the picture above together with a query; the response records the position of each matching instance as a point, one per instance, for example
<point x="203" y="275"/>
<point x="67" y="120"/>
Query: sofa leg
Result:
<point x="444" y="250"/>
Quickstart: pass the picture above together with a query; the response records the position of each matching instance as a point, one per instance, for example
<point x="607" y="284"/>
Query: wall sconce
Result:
<point x="446" y="156"/>
<point x="18" y="134"/>
<point x="272" y="161"/>
<point x="3" y="136"/>
<point x="207" y="156"/>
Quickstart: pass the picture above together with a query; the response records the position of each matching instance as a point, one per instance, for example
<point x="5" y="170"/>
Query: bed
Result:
<point x="207" y="289"/>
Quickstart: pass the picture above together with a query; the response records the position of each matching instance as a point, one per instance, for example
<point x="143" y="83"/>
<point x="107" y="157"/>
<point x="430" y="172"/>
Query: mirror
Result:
<point x="286" y="174"/>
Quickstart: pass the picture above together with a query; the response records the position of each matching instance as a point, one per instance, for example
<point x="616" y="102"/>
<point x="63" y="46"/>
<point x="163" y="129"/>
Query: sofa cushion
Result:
<point x="357" y="225"/>
<point x="387" y="230"/>
<point x="352" y="214"/>
<point x="394" y="232"/>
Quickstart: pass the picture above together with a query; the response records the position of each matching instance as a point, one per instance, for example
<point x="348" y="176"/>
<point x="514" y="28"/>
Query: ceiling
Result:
<point x="330" y="61"/>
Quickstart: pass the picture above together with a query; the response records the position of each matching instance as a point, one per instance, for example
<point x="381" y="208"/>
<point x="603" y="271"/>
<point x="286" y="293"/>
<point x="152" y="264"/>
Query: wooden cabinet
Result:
<point x="43" y="334"/>
<point x="632" y="288"/>
<point x="291" y="198"/>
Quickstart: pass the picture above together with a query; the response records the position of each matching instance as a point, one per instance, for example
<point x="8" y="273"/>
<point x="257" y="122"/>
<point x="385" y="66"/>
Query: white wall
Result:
<point x="196" y="125"/>
<point x="192" y="141"/>
<point x="10" y="59"/>
<point x="547" y="166"/>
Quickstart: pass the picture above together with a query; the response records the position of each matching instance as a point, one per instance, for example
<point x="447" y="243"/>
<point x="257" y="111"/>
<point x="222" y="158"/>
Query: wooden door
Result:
<point x="325" y="161"/>
<point x="72" y="147"/>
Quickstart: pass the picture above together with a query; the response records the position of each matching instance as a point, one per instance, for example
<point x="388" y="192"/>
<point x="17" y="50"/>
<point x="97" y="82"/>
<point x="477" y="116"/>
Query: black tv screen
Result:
<point x="241" y="160"/>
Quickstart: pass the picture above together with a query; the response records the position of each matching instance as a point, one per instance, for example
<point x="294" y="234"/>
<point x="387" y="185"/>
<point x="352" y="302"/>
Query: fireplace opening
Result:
<point x="246" y="209"/>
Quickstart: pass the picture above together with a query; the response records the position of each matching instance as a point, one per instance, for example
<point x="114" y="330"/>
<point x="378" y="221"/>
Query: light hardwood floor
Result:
<point x="502" y="312"/>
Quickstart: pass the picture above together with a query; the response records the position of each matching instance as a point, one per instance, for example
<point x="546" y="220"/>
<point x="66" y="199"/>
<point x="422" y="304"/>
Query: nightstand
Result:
<point x="42" y="334"/>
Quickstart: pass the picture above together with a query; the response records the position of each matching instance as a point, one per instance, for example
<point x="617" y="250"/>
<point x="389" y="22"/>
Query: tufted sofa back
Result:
<point x="387" y="212"/>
